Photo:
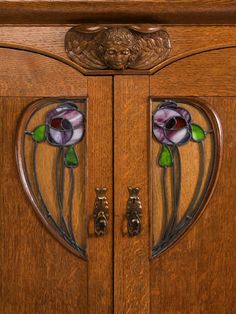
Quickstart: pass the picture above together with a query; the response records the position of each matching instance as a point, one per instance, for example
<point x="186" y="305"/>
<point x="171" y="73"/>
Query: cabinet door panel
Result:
<point x="196" y="274"/>
<point x="38" y="274"/>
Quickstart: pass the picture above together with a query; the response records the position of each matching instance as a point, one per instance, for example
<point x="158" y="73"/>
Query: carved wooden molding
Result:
<point x="68" y="11"/>
<point x="117" y="47"/>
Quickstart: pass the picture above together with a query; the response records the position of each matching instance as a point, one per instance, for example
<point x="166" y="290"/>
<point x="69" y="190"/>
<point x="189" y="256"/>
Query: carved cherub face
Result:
<point x="117" y="48"/>
<point x="117" y="56"/>
<point x="102" y="47"/>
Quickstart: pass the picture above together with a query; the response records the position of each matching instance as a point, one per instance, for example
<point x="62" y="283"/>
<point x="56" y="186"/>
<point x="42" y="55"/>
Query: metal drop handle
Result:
<point x="100" y="215"/>
<point x="133" y="212"/>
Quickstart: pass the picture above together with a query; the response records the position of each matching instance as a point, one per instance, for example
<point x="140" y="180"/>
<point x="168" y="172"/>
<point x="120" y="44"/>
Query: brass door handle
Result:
<point x="133" y="212"/>
<point x="100" y="215"/>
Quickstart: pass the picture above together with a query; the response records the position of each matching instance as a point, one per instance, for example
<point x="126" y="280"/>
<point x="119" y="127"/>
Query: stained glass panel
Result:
<point x="53" y="153"/>
<point x="184" y="146"/>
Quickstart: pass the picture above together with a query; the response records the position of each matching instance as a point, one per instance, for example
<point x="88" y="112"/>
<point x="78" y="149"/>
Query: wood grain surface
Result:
<point x="184" y="40"/>
<point x="100" y="174"/>
<point x="30" y="74"/>
<point x="197" y="275"/>
<point x="131" y="254"/>
<point x="156" y="11"/>
<point x="208" y="73"/>
<point x="38" y="274"/>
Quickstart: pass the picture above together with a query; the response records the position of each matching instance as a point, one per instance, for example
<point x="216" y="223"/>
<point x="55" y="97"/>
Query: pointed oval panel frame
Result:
<point x="161" y="246"/>
<point x="46" y="217"/>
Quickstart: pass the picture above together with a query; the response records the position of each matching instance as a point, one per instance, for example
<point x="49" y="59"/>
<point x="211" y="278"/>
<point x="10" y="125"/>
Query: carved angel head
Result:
<point x="117" y="48"/>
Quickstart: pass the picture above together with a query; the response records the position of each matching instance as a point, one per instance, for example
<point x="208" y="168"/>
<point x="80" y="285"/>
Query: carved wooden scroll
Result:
<point x="117" y="47"/>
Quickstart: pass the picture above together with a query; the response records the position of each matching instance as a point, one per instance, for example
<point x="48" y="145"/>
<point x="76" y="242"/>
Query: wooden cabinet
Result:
<point x="117" y="160"/>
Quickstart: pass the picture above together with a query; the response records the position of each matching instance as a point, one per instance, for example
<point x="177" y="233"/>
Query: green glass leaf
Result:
<point x="39" y="133"/>
<point x="198" y="133"/>
<point x="165" y="158"/>
<point x="71" y="158"/>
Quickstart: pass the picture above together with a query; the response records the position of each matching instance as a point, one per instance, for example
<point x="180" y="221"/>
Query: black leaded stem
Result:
<point x="60" y="189"/>
<point x="72" y="186"/>
<point x="178" y="190"/>
<point x="165" y="204"/>
<point x="36" y="178"/>
<point x="176" y="185"/>
<point x="209" y="176"/>
<point x="49" y="216"/>
<point x="62" y="178"/>
<point x="190" y="210"/>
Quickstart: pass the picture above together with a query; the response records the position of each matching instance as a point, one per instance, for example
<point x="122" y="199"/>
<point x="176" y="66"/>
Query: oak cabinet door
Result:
<point x="56" y="127"/>
<point x="200" y="266"/>
<point x="174" y="141"/>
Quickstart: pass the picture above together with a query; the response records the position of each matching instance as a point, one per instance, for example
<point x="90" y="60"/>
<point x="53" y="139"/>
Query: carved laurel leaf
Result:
<point x="81" y="48"/>
<point x="154" y="47"/>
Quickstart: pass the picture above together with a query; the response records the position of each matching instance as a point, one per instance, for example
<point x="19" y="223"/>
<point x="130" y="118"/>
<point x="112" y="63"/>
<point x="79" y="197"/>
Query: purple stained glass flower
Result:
<point x="65" y="125"/>
<point x="171" y="124"/>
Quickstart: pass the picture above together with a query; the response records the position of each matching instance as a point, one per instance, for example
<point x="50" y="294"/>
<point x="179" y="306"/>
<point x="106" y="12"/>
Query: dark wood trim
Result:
<point x="74" y="12"/>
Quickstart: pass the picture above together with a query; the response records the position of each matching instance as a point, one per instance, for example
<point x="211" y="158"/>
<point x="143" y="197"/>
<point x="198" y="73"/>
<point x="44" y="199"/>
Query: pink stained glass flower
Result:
<point x="171" y="124"/>
<point x="65" y="125"/>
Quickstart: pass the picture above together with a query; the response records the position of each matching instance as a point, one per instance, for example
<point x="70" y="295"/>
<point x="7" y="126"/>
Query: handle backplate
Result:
<point x="101" y="215"/>
<point x="133" y="212"/>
